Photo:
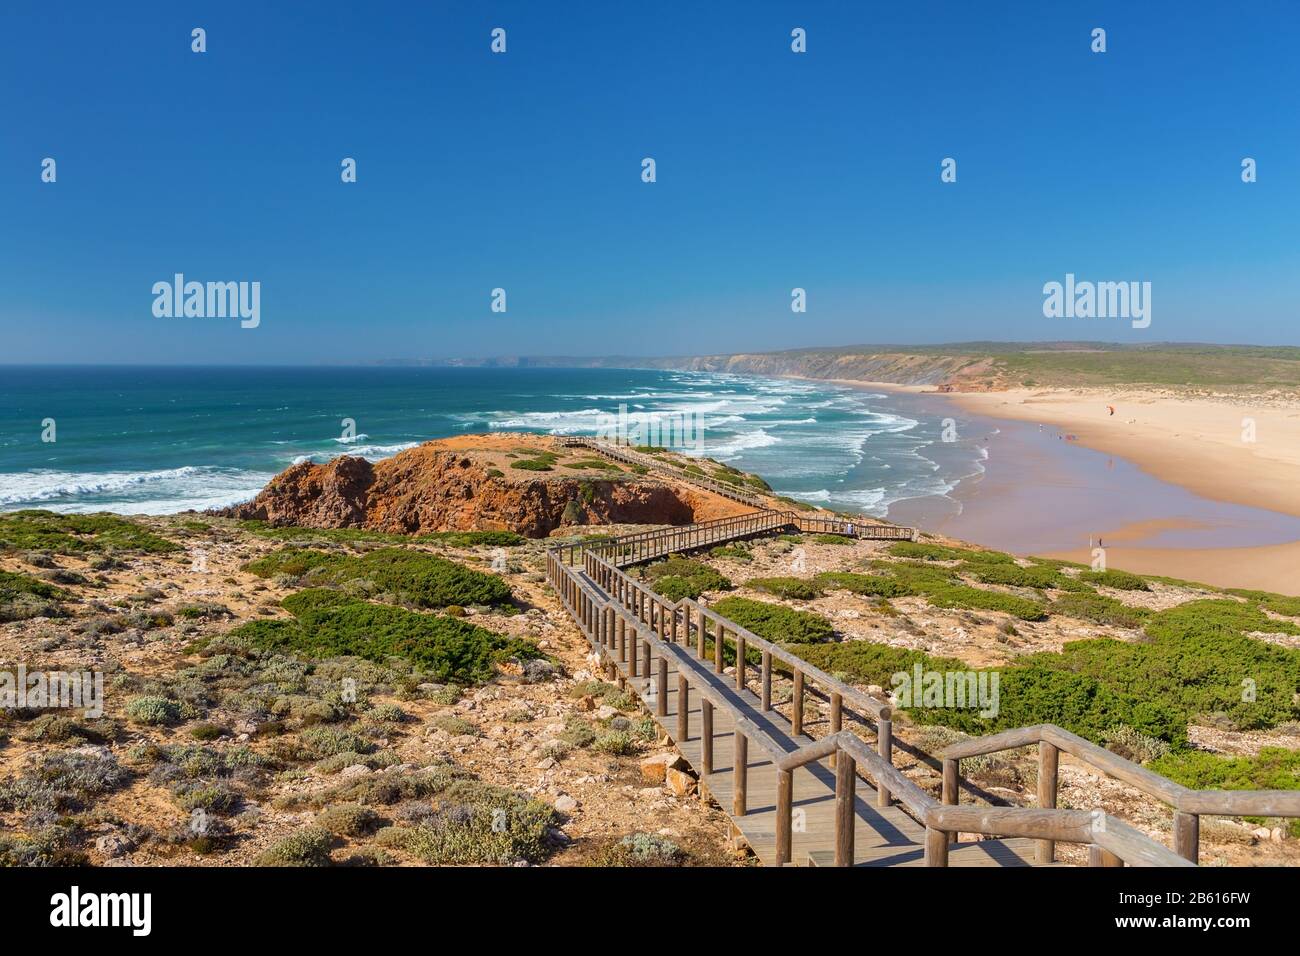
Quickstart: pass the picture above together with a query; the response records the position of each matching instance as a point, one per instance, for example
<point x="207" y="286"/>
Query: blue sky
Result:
<point x="522" y="171"/>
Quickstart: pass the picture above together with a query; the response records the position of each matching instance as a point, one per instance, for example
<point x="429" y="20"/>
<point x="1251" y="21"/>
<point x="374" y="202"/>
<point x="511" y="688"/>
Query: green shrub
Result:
<point x="734" y="551"/>
<point x="456" y="539"/>
<point x="1198" y="661"/>
<point x="832" y="539"/>
<point x="961" y="596"/>
<point x="677" y="578"/>
<point x="619" y="743"/>
<point x="641" y="849"/>
<point x="153" y="711"/>
<point x="1122" y="580"/>
<point x="577" y="732"/>
<point x="1274" y="768"/>
<point x="937" y="552"/>
<point x="532" y="464"/>
<point x="420" y="578"/>
<point x="328" y="741"/>
<point x="307" y="847"/>
<point x="348" y="819"/>
<point x="1277" y="603"/>
<point x="329" y="624"/>
<point x="23" y="598"/>
<point x="77" y="533"/>
<point x="798" y="589"/>
<point x="1013" y="575"/>
<point x="942" y="588"/>
<point x="456" y="726"/>
<point x="62" y="780"/>
<point x="1028" y="693"/>
<point x="775" y="622"/>
<point x="1100" y="609"/>
<point x="879" y="585"/>
<point x="475" y="822"/>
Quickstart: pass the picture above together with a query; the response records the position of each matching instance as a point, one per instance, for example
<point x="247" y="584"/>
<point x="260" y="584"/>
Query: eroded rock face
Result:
<point x="427" y="489"/>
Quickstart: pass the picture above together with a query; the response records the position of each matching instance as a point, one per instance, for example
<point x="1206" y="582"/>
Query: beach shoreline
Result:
<point x="1168" y="460"/>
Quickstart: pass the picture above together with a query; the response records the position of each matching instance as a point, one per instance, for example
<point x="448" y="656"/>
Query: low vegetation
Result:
<point x="775" y="622"/>
<point x="330" y="624"/>
<point x="400" y="576"/>
<point x="77" y="533"/>
<point x="454" y="539"/>
<point x="23" y="597"/>
<point x="677" y="578"/>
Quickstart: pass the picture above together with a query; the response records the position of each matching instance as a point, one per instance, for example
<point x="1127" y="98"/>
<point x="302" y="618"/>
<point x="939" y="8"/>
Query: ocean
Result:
<point x="161" y="440"/>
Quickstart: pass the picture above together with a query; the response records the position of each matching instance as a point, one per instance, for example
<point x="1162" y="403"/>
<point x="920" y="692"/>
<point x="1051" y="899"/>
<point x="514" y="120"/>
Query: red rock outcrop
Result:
<point x="430" y="488"/>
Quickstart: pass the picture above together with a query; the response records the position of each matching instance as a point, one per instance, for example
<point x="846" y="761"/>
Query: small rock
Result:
<point x="680" y="782"/>
<point x="565" y="803"/>
<point x="546" y="764"/>
<point x="1263" y="833"/>
<point x="113" y="845"/>
<point x="606" y="712"/>
<point x="356" y="770"/>
<point x="587" y="702"/>
<point x="243" y="738"/>
<point x="655" y="769"/>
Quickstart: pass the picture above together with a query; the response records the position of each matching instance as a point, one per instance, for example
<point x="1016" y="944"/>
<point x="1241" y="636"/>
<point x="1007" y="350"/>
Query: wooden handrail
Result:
<point x="1188" y="804"/>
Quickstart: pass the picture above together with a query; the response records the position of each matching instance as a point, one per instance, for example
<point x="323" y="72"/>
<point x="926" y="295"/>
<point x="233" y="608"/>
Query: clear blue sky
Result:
<point x="775" y="170"/>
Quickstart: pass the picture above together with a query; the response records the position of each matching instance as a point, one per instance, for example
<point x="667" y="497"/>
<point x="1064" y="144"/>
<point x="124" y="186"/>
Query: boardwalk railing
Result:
<point x="1188" y="804"/>
<point x="630" y="457"/>
<point x="629" y="624"/>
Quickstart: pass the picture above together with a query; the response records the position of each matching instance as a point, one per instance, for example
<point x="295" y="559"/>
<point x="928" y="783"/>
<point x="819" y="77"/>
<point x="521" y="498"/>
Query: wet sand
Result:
<point x="1044" y="494"/>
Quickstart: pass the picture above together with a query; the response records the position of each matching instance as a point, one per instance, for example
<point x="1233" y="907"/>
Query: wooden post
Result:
<point x="706" y="736"/>
<point x="1048" y="759"/>
<point x="837" y="721"/>
<point x="936" y="847"/>
<point x="645" y="659"/>
<point x="662" y="688"/>
<point x="740" y="662"/>
<point x="632" y="655"/>
<point x="784" y="815"/>
<point x="683" y="708"/>
<point x="742" y="774"/>
<point x="885" y="747"/>
<point x="845" y="783"/>
<point x="767" y="681"/>
<point x="796" y="704"/>
<point x="699" y="636"/>
<point x="718" y="640"/>
<point x="951" y="768"/>
<point x="1099" y="857"/>
<point x="1187" y="835"/>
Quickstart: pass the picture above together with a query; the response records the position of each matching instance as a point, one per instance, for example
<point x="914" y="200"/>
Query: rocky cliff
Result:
<point x="454" y="485"/>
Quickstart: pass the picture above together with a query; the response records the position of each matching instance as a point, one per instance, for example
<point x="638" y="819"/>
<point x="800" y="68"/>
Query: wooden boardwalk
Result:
<point x="836" y="799"/>
<point x="882" y="836"/>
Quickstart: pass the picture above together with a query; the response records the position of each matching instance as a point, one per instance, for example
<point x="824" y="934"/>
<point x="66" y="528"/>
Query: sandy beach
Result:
<point x="1167" y="483"/>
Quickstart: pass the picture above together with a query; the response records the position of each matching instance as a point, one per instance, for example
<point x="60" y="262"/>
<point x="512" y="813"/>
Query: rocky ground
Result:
<point x="138" y="623"/>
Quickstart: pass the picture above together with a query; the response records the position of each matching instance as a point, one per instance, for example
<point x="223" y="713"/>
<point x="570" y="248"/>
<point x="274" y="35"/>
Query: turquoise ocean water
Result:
<point x="161" y="440"/>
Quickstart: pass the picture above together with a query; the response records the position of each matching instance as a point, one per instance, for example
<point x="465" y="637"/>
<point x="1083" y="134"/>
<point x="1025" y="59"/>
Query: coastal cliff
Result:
<point x="477" y="483"/>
